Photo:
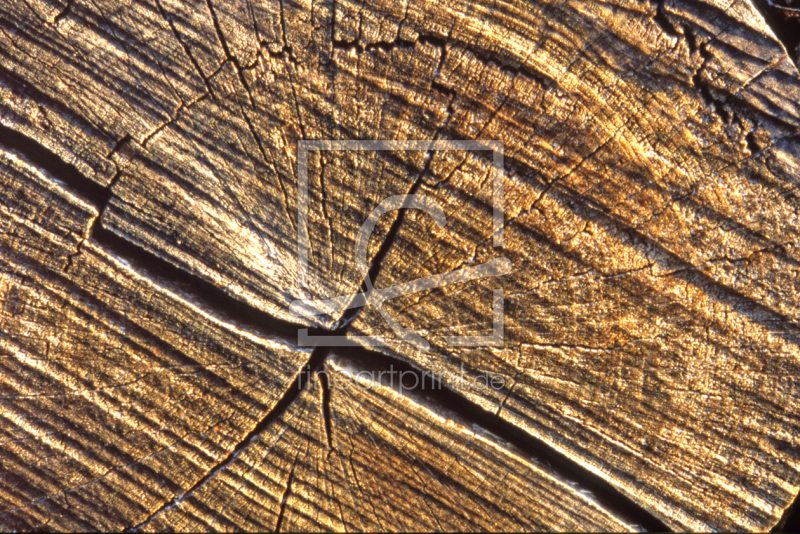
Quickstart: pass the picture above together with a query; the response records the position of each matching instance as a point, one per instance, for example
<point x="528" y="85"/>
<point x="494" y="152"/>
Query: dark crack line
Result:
<point x="391" y="237"/>
<point x="285" y="498"/>
<point x="706" y="92"/>
<point x="325" y="384"/>
<point x="240" y="313"/>
<point x="440" y="397"/>
<point x="64" y="12"/>
<point x="185" y="47"/>
<point x="289" y="397"/>
<point x="195" y="289"/>
<point x="46" y="160"/>
<point x="660" y="17"/>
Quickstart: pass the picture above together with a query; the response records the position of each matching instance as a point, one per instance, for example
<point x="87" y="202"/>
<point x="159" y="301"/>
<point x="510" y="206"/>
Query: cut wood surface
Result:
<point x="116" y="392"/>
<point x="152" y="378"/>
<point x="382" y="463"/>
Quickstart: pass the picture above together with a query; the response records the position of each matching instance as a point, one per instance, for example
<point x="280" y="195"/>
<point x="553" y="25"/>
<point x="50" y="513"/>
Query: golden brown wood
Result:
<point x="117" y="393"/>
<point x="651" y="219"/>
<point x="388" y="464"/>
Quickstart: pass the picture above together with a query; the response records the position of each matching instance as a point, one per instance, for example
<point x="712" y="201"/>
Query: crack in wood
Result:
<point x="65" y="12"/>
<point x="634" y="65"/>
<point x="242" y="314"/>
<point x="325" y="384"/>
<point x="285" y="498"/>
<point x="289" y="397"/>
<point x="69" y="175"/>
<point x="435" y="394"/>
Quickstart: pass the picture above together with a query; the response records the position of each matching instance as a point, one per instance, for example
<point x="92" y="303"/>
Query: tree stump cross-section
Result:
<point x="154" y="194"/>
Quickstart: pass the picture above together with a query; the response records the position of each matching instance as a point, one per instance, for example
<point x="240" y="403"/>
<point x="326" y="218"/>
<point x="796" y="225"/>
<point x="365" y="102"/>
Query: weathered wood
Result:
<point x="117" y="393"/>
<point x="382" y="463"/>
<point x="651" y="218"/>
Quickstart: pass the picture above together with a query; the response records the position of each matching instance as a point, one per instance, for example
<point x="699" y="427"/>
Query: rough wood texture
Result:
<point x="651" y="317"/>
<point x="115" y="392"/>
<point x="119" y="393"/>
<point x="382" y="462"/>
<point x="654" y="299"/>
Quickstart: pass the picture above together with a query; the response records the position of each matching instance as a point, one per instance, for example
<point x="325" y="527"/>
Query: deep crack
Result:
<point x="242" y="314"/>
<point x="286" y="401"/>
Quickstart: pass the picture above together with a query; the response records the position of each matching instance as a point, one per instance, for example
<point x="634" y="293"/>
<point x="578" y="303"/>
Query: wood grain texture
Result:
<point x="651" y="218"/>
<point x="382" y="462"/>
<point x="120" y="396"/>
<point x="653" y="302"/>
<point x="117" y="393"/>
